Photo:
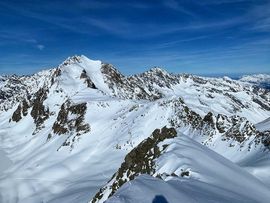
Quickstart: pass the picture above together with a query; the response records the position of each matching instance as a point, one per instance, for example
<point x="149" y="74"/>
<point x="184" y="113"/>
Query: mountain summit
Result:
<point x="84" y="132"/>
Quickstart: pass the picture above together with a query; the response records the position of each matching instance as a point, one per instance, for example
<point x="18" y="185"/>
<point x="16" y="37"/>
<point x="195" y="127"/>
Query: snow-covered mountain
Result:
<point x="261" y="80"/>
<point x="84" y="132"/>
<point x="189" y="172"/>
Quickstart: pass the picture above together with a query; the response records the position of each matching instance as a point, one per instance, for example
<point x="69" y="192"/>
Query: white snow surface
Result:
<point x="256" y="78"/>
<point x="212" y="178"/>
<point x="72" y="71"/>
<point x="43" y="170"/>
<point x="5" y="162"/>
<point x="264" y="125"/>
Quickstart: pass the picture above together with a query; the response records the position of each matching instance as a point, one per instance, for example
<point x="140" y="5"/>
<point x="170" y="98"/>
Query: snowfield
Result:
<point x="212" y="178"/>
<point x="264" y="125"/>
<point x="67" y="131"/>
<point x="5" y="162"/>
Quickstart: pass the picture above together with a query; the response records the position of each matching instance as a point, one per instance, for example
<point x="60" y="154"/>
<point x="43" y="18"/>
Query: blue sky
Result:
<point x="201" y="37"/>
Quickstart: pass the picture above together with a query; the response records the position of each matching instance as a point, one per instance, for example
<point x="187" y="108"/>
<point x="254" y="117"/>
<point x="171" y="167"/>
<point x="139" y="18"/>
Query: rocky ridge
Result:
<point x="66" y="103"/>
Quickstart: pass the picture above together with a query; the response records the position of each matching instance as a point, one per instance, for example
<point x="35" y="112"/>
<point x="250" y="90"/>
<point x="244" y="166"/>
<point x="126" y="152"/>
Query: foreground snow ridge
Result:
<point x="84" y="132"/>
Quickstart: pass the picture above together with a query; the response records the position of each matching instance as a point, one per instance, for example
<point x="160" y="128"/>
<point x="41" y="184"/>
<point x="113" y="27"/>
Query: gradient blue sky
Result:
<point x="192" y="36"/>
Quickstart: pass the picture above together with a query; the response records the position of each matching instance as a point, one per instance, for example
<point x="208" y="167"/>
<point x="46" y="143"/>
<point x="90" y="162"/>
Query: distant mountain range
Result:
<point x="262" y="80"/>
<point x="84" y="132"/>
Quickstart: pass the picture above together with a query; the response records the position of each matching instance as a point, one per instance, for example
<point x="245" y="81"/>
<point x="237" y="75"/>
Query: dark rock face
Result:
<point x="199" y="80"/>
<point x="183" y="116"/>
<point x="185" y="173"/>
<point x="56" y="74"/>
<point x="238" y="132"/>
<point x="138" y="161"/>
<point x="70" y="121"/>
<point x="222" y="120"/>
<point x="39" y="112"/>
<point x="71" y="60"/>
<point x="230" y="128"/>
<point x="64" y="124"/>
<point x="125" y="87"/>
<point x="262" y="104"/>
<point x="266" y="139"/>
<point x="59" y="125"/>
<point x="87" y="80"/>
<point x="155" y="76"/>
<point x="238" y="103"/>
<point x="209" y="119"/>
<point x="22" y="110"/>
<point x="25" y="107"/>
<point x="112" y="74"/>
<point x="3" y="95"/>
<point x="17" y="114"/>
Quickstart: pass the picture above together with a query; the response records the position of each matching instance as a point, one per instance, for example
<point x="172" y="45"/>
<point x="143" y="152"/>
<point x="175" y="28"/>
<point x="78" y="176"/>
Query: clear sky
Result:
<point x="192" y="36"/>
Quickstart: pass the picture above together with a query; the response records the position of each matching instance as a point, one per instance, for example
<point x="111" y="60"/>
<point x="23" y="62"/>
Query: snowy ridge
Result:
<point x="15" y="88"/>
<point x="68" y="130"/>
<point x="181" y="175"/>
<point x="264" y="125"/>
<point x="261" y="80"/>
<point x="258" y="78"/>
<point x="164" y="165"/>
<point x="218" y="95"/>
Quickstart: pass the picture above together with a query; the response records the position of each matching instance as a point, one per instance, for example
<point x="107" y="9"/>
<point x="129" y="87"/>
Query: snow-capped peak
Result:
<point x="227" y="78"/>
<point x="158" y="70"/>
<point x="80" y="67"/>
<point x="68" y="129"/>
<point x="261" y="80"/>
<point x="71" y="60"/>
<point x="93" y="70"/>
<point x="256" y="78"/>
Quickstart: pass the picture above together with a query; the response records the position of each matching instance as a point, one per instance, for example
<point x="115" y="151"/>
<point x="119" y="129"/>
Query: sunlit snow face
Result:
<point x="212" y="116"/>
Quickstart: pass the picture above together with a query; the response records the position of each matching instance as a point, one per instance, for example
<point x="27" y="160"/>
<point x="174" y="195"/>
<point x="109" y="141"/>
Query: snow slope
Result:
<point x="5" y="162"/>
<point x="67" y="130"/>
<point x="264" y="125"/>
<point x="147" y="189"/>
<point x="201" y="94"/>
<point x="211" y="178"/>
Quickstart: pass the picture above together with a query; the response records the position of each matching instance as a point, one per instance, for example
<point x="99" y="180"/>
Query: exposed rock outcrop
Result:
<point x="140" y="160"/>
<point x="71" y="121"/>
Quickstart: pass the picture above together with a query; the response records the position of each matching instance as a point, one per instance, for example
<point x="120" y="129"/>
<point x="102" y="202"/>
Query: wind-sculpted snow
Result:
<point x="264" y="125"/>
<point x="139" y="161"/>
<point x="211" y="178"/>
<point x="218" y="95"/>
<point x="67" y="130"/>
